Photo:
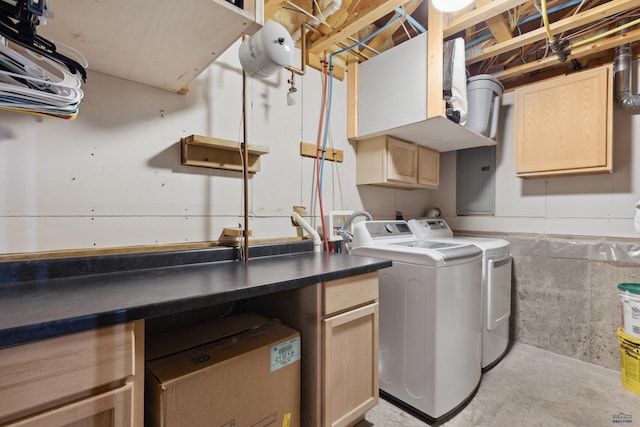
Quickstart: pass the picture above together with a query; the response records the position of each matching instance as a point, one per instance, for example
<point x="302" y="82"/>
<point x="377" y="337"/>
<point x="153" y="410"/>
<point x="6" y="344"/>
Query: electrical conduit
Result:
<point x="545" y="19"/>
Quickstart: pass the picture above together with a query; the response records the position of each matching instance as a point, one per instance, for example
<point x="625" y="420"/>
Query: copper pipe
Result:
<point x="245" y="168"/>
<point x="304" y="54"/>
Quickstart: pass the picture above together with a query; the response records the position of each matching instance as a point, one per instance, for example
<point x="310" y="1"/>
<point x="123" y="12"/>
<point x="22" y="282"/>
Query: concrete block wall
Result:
<point x="565" y="296"/>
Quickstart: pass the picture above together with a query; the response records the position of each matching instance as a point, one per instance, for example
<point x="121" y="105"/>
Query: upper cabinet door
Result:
<point x="564" y="125"/>
<point x="428" y="167"/>
<point x="402" y="161"/>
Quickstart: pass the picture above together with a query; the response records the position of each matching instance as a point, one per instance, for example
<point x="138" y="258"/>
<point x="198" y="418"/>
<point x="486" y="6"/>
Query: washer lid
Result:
<point x="433" y="254"/>
<point x="446" y="251"/>
<point x="486" y="243"/>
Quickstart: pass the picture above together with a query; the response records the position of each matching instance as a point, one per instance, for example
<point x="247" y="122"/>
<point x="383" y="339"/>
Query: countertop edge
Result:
<point x="22" y="334"/>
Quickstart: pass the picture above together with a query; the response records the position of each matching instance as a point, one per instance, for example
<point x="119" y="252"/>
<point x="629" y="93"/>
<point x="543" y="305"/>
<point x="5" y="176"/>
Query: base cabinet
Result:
<point x="338" y="323"/>
<point x="92" y="378"/>
<point x="111" y="409"/>
<point x="350" y="368"/>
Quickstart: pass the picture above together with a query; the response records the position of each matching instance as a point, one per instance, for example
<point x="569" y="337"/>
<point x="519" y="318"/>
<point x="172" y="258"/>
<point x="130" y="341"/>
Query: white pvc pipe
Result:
<point x="317" y="242"/>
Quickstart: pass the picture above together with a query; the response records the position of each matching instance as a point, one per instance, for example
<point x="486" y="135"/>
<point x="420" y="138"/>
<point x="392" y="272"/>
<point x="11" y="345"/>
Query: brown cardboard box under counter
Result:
<point x="249" y="376"/>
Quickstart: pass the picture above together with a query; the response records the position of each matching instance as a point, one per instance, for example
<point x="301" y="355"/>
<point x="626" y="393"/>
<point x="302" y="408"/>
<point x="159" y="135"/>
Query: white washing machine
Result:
<point x="430" y="339"/>
<point x="496" y="284"/>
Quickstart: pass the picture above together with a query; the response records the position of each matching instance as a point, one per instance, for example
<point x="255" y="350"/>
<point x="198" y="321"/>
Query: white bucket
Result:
<point x="484" y="93"/>
<point x="630" y="308"/>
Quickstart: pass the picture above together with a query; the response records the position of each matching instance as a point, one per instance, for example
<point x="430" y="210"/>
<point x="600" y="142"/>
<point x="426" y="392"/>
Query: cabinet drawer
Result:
<point x="342" y="294"/>
<point x="111" y="409"/>
<point x="39" y="375"/>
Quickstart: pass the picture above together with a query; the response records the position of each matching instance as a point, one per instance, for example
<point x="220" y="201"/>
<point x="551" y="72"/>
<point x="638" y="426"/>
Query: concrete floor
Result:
<point x="534" y="387"/>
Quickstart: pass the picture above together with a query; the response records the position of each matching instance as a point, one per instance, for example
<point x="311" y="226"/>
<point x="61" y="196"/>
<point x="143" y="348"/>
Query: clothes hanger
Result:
<point x="22" y="63"/>
<point x="39" y="45"/>
<point x="25" y="86"/>
<point x="23" y="33"/>
<point x="35" y="77"/>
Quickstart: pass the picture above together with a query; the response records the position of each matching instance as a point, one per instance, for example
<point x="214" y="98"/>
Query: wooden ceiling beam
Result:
<point x="378" y="41"/>
<point x="497" y="25"/>
<point x="342" y="14"/>
<point x="271" y="7"/>
<point x="480" y="14"/>
<point x="370" y="12"/>
<point x="581" y="52"/>
<point x="583" y="18"/>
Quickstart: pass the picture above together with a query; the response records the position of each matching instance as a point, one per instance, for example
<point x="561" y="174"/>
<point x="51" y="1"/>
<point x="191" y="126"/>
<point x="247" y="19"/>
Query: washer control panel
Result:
<point x="387" y="229"/>
<point x="434" y="224"/>
<point x="430" y="228"/>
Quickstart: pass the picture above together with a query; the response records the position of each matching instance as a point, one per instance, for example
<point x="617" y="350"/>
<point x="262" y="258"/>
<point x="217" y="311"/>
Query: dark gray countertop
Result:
<point x="48" y="307"/>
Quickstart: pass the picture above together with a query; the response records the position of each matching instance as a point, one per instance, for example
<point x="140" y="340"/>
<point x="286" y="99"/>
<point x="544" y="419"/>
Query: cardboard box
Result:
<point x="249" y="377"/>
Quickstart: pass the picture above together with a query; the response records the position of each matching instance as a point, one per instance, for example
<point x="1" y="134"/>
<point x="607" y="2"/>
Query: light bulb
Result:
<point x="450" y="5"/>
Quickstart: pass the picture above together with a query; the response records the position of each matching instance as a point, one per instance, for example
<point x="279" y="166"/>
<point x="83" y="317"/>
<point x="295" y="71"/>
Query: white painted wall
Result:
<point x="112" y="177"/>
<point x="598" y="205"/>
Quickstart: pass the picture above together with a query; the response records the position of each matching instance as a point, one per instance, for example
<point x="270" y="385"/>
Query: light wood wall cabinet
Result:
<point x="91" y="378"/>
<point x="338" y="323"/>
<point x="391" y="162"/>
<point x="564" y="125"/>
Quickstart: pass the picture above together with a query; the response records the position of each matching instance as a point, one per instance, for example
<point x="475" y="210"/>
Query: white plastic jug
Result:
<point x="484" y="93"/>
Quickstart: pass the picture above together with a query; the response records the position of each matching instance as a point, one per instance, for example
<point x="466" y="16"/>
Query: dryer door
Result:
<point x="498" y="292"/>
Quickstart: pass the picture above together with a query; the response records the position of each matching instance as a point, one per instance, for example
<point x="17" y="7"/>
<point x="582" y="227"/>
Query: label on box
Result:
<point x="286" y="420"/>
<point x="285" y="353"/>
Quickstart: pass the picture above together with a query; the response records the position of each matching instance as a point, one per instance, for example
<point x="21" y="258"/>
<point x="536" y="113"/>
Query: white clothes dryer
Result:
<point x="429" y="334"/>
<point x="496" y="284"/>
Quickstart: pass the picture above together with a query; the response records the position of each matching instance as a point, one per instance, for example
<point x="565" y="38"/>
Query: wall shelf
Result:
<point x="216" y="153"/>
<point x="164" y="44"/>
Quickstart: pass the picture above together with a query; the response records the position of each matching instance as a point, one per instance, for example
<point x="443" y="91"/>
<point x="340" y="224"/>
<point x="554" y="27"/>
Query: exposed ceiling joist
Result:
<point x="489" y="25"/>
<point x="581" y="52"/>
<point x="271" y="7"/>
<point x="583" y="18"/>
<point x="497" y="25"/>
<point x="378" y="41"/>
<point x="480" y="14"/>
<point x="372" y="11"/>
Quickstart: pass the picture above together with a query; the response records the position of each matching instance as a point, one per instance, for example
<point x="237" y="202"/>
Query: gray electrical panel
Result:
<point x="475" y="181"/>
